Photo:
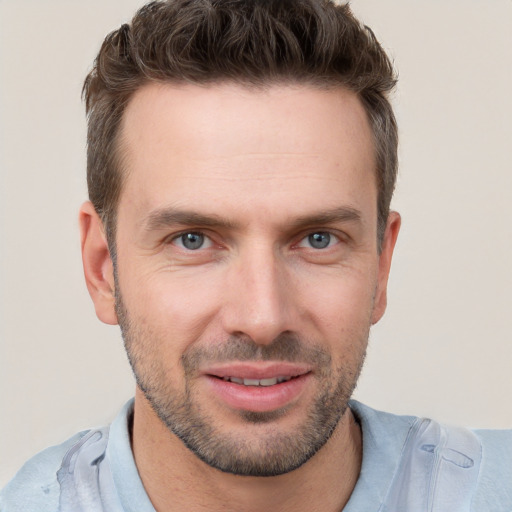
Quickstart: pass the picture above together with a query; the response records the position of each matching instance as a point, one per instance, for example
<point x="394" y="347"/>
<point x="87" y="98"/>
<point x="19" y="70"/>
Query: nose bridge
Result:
<point x="258" y="300"/>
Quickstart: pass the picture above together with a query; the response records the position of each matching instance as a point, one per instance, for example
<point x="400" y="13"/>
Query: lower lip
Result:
<point x="258" y="398"/>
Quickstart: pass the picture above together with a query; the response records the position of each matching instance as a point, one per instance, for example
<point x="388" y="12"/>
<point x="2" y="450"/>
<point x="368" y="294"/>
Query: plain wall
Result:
<point x="444" y="348"/>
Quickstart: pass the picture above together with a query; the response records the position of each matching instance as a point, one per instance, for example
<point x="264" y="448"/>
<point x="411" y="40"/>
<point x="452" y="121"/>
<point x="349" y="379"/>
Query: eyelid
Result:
<point x="335" y="234"/>
<point x="176" y="237"/>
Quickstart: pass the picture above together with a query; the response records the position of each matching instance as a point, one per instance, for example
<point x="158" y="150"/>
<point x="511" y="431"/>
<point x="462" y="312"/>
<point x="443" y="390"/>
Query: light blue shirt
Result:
<point x="409" y="465"/>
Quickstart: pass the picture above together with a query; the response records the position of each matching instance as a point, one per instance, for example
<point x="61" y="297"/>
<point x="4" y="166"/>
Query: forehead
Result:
<point x="211" y="143"/>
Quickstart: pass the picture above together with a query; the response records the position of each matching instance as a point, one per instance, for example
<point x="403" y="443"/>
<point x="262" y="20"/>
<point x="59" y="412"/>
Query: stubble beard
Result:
<point x="268" y="450"/>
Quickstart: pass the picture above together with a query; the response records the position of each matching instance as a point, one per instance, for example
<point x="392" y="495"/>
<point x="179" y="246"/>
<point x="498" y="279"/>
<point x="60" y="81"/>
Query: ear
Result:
<point x="388" y="245"/>
<point x="98" y="267"/>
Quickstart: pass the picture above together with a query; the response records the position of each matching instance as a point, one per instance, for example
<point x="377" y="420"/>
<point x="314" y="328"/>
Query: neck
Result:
<point x="176" y="480"/>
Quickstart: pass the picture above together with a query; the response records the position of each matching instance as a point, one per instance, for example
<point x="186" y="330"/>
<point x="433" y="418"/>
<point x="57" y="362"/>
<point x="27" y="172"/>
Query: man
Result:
<point x="241" y="163"/>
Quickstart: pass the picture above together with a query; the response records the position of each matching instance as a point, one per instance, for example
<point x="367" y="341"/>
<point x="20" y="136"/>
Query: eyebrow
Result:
<point x="342" y="214"/>
<point x="165" y="217"/>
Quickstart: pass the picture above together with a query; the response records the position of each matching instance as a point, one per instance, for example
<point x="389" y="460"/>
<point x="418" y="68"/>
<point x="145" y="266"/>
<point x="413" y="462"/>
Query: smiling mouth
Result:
<point x="258" y="388"/>
<point x="258" y="375"/>
<point x="258" y="382"/>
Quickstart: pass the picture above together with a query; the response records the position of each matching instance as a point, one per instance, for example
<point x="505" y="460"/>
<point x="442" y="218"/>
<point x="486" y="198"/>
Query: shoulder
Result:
<point x="35" y="486"/>
<point x="496" y="442"/>
<point x="479" y="461"/>
<point x="495" y="480"/>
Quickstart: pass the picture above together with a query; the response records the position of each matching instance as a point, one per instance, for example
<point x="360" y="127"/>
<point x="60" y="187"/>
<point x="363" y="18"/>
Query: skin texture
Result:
<point x="259" y="177"/>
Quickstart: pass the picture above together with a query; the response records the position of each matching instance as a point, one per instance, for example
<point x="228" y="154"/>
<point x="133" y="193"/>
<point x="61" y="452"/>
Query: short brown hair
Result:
<point x="252" y="42"/>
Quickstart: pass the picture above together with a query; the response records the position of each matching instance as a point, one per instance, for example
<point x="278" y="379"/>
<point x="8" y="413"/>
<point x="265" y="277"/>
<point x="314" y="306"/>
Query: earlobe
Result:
<point x="98" y="267"/>
<point x="388" y="245"/>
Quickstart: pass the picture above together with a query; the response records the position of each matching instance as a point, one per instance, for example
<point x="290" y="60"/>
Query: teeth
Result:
<point x="257" y="382"/>
<point x="268" y="382"/>
<point x="251" y="382"/>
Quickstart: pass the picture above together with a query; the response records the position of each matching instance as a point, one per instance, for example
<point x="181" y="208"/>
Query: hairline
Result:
<point x="120" y="157"/>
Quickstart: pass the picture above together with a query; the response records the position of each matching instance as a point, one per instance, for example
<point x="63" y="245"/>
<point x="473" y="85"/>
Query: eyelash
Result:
<point x="175" y="239"/>
<point x="331" y="237"/>
<point x="178" y="240"/>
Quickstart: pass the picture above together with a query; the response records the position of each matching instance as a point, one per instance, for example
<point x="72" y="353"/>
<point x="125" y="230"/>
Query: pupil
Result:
<point x="192" y="240"/>
<point x="319" y="240"/>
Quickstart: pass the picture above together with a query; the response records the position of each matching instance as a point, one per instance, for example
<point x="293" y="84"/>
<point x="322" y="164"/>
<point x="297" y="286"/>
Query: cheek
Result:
<point x="340" y="306"/>
<point x="178" y="307"/>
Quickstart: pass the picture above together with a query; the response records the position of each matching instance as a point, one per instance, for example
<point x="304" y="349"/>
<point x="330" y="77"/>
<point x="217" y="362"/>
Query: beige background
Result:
<point x="444" y="349"/>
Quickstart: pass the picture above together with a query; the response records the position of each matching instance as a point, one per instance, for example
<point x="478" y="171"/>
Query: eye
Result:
<point x="192" y="241"/>
<point x="319" y="240"/>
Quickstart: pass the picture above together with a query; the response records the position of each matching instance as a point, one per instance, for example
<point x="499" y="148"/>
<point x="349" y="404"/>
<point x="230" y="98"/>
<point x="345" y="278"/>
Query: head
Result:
<point x="255" y="43"/>
<point x="242" y="157"/>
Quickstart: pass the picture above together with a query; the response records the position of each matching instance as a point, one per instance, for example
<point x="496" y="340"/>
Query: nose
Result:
<point x="259" y="297"/>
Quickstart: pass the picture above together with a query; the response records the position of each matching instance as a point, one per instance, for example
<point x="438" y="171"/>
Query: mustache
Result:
<point x="286" y="347"/>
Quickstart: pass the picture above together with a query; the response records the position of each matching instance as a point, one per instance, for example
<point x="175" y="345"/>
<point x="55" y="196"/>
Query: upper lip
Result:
<point x="257" y="370"/>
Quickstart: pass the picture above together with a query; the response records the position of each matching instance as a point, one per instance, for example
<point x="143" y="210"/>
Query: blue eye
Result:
<point x="192" y="241"/>
<point x="318" y="240"/>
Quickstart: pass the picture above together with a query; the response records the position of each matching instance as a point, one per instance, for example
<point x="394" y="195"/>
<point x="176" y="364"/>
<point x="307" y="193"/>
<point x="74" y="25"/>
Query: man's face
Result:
<point x="248" y="273"/>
